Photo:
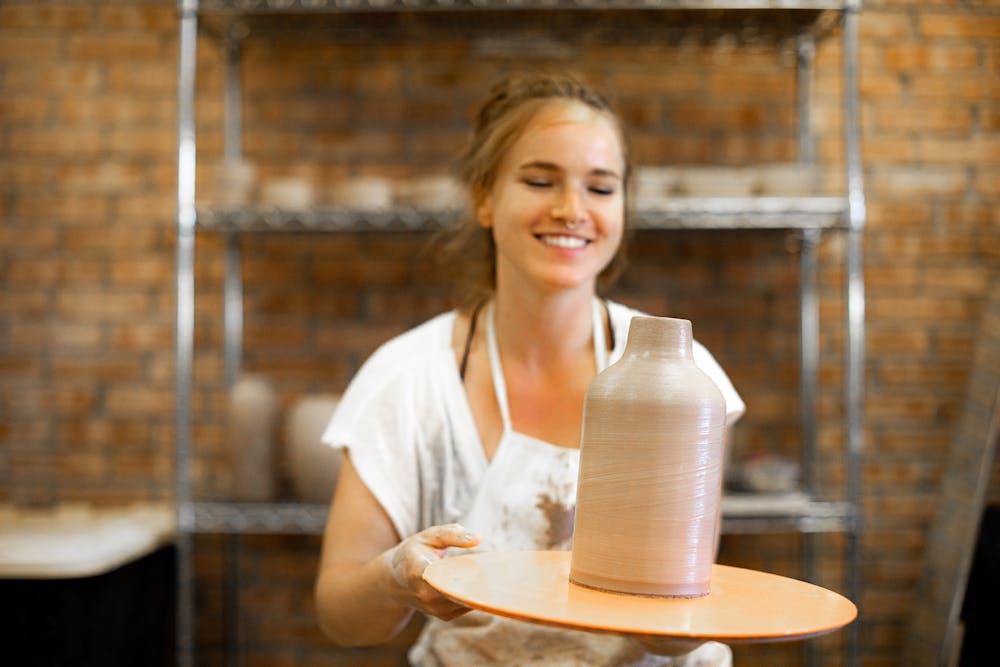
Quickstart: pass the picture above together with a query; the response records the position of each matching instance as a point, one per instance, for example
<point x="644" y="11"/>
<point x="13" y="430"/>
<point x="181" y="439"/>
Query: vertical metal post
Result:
<point x="186" y="218"/>
<point x="808" y="393"/>
<point x="232" y="318"/>
<point x="805" y="57"/>
<point x="809" y="354"/>
<point x="808" y="311"/>
<point x="808" y="301"/>
<point x="232" y="133"/>
<point x="855" y="319"/>
<point x="231" y="601"/>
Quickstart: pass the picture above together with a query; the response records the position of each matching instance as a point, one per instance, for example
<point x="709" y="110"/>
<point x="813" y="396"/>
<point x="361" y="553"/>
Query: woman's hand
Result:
<point x="408" y="560"/>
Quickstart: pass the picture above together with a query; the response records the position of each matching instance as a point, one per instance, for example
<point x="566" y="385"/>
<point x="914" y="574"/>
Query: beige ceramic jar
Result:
<point x="651" y="460"/>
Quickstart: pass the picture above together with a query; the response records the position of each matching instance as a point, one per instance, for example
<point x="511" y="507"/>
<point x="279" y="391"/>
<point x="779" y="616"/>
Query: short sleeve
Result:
<point x="372" y="422"/>
<point x="735" y="407"/>
<point x="406" y="424"/>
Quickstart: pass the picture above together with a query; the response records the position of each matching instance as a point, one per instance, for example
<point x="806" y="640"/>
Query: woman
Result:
<point x="464" y="432"/>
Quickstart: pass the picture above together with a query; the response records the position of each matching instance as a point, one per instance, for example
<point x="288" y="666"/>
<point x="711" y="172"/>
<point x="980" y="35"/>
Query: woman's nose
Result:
<point x="568" y="207"/>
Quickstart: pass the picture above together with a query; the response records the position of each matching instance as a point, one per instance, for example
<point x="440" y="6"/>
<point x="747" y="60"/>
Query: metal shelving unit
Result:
<point x="809" y="217"/>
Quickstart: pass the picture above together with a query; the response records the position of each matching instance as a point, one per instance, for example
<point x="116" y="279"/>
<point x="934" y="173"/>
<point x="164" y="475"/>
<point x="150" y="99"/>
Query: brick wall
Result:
<point x="88" y="131"/>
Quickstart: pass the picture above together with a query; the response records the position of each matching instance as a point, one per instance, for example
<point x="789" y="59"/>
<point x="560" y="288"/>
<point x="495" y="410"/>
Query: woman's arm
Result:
<point x="369" y="582"/>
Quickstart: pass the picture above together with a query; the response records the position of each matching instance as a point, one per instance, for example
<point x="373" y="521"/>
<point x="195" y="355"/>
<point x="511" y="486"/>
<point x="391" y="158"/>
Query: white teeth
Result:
<point x="564" y="241"/>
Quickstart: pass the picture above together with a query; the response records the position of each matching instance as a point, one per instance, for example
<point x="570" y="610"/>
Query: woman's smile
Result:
<point x="563" y="241"/>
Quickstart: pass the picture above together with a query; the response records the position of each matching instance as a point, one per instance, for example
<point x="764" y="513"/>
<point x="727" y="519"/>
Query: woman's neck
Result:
<point x="544" y="329"/>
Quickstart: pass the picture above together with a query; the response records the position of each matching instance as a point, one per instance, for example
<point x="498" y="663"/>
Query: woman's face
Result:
<point x="556" y="207"/>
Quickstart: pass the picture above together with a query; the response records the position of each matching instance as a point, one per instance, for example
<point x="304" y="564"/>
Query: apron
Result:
<point x="526" y="501"/>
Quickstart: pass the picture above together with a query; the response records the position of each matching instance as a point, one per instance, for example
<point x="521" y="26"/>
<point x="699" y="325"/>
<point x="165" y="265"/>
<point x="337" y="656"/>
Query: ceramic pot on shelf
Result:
<point x="651" y="462"/>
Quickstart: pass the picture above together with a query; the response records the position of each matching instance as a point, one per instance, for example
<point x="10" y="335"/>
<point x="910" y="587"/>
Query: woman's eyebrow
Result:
<point x="551" y="166"/>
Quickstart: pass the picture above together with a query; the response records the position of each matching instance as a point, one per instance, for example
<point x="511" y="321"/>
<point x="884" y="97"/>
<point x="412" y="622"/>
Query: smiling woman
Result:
<point x="556" y="205"/>
<point x="464" y="432"/>
<point x="511" y="106"/>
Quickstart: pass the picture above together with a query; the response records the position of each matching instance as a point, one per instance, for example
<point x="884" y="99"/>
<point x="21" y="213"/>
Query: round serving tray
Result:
<point x="743" y="606"/>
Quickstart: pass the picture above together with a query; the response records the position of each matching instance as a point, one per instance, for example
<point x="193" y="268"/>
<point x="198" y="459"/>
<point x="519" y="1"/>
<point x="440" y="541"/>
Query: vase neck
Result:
<point x="659" y="336"/>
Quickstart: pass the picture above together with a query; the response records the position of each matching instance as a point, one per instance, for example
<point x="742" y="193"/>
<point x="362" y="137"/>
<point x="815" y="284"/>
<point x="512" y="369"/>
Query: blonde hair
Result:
<point x="508" y="109"/>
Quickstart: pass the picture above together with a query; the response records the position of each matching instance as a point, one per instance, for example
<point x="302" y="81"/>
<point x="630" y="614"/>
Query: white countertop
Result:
<point x="78" y="540"/>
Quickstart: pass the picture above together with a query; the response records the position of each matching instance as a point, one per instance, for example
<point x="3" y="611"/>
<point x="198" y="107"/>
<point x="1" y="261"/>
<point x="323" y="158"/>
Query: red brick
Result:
<point x="158" y="19"/>
<point x="66" y="78"/>
<point x="79" y="142"/>
<point x="892" y="150"/>
<point x="946" y="118"/>
<point x="26" y="109"/>
<point x="31" y="16"/>
<point x="141" y="335"/>
<point x="984" y="150"/>
<point x="896" y="214"/>
<point x="885" y="341"/>
<point x="28" y="337"/>
<point x="76" y="369"/>
<point x="116" y="47"/>
<point x="31" y="304"/>
<point x="918" y="181"/>
<point x="954" y="86"/>
<point x="906" y="374"/>
<point x="66" y="398"/>
<point x="733" y="84"/>
<point x="143" y="271"/>
<point x="101" y="305"/>
<point x="958" y="279"/>
<point x="959" y="26"/>
<point x="987" y="181"/>
<point x="65" y="208"/>
<point x="878" y="25"/>
<point x="916" y="308"/>
<point x="107" y="176"/>
<point x="925" y="57"/>
<point x="27" y="46"/>
<point x="126" y="76"/>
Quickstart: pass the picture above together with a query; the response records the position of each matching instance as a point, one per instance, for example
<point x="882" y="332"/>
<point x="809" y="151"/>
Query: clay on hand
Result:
<point x="408" y="560"/>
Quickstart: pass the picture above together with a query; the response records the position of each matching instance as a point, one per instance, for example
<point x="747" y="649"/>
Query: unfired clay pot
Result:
<point x="651" y="464"/>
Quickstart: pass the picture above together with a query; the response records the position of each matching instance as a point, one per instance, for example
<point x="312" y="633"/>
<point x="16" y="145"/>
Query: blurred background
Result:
<point x="342" y="107"/>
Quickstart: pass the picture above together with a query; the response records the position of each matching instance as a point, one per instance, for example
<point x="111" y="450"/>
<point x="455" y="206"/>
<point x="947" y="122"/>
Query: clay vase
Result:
<point x="651" y="460"/>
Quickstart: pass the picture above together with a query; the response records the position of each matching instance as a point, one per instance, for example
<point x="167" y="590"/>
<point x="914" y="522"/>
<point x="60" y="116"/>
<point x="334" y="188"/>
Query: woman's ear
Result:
<point x="484" y="211"/>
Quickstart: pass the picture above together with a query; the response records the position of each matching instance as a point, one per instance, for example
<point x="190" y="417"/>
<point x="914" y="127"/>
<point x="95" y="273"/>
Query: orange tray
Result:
<point x="743" y="606"/>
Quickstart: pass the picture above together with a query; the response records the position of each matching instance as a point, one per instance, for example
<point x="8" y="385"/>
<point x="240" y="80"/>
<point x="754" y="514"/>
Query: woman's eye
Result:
<point x="602" y="190"/>
<point x="537" y="183"/>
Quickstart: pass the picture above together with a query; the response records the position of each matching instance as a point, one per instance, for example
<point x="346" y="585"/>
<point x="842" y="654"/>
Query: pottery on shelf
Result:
<point x="651" y="462"/>
<point x="312" y="466"/>
<point x="250" y="433"/>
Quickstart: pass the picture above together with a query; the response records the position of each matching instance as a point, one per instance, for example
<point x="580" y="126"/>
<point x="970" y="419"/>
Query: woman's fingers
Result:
<point x="449" y="535"/>
<point x="408" y="560"/>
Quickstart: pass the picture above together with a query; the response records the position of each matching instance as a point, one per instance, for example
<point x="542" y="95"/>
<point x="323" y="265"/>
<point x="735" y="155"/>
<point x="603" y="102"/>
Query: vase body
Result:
<point x="651" y="459"/>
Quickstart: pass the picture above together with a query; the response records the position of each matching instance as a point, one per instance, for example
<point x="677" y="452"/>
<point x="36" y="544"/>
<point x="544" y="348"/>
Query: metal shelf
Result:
<point x="311" y="6"/>
<point x="259" y="518"/>
<point x="741" y="514"/>
<point x="680" y="213"/>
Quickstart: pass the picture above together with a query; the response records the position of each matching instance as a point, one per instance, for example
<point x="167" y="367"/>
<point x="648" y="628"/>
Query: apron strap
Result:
<point x="496" y="369"/>
<point x="600" y="343"/>
<point x="499" y="385"/>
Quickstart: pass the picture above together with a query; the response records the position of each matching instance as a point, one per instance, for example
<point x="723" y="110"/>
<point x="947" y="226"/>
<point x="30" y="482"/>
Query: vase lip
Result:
<point x="669" y="335"/>
<point x="657" y="318"/>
